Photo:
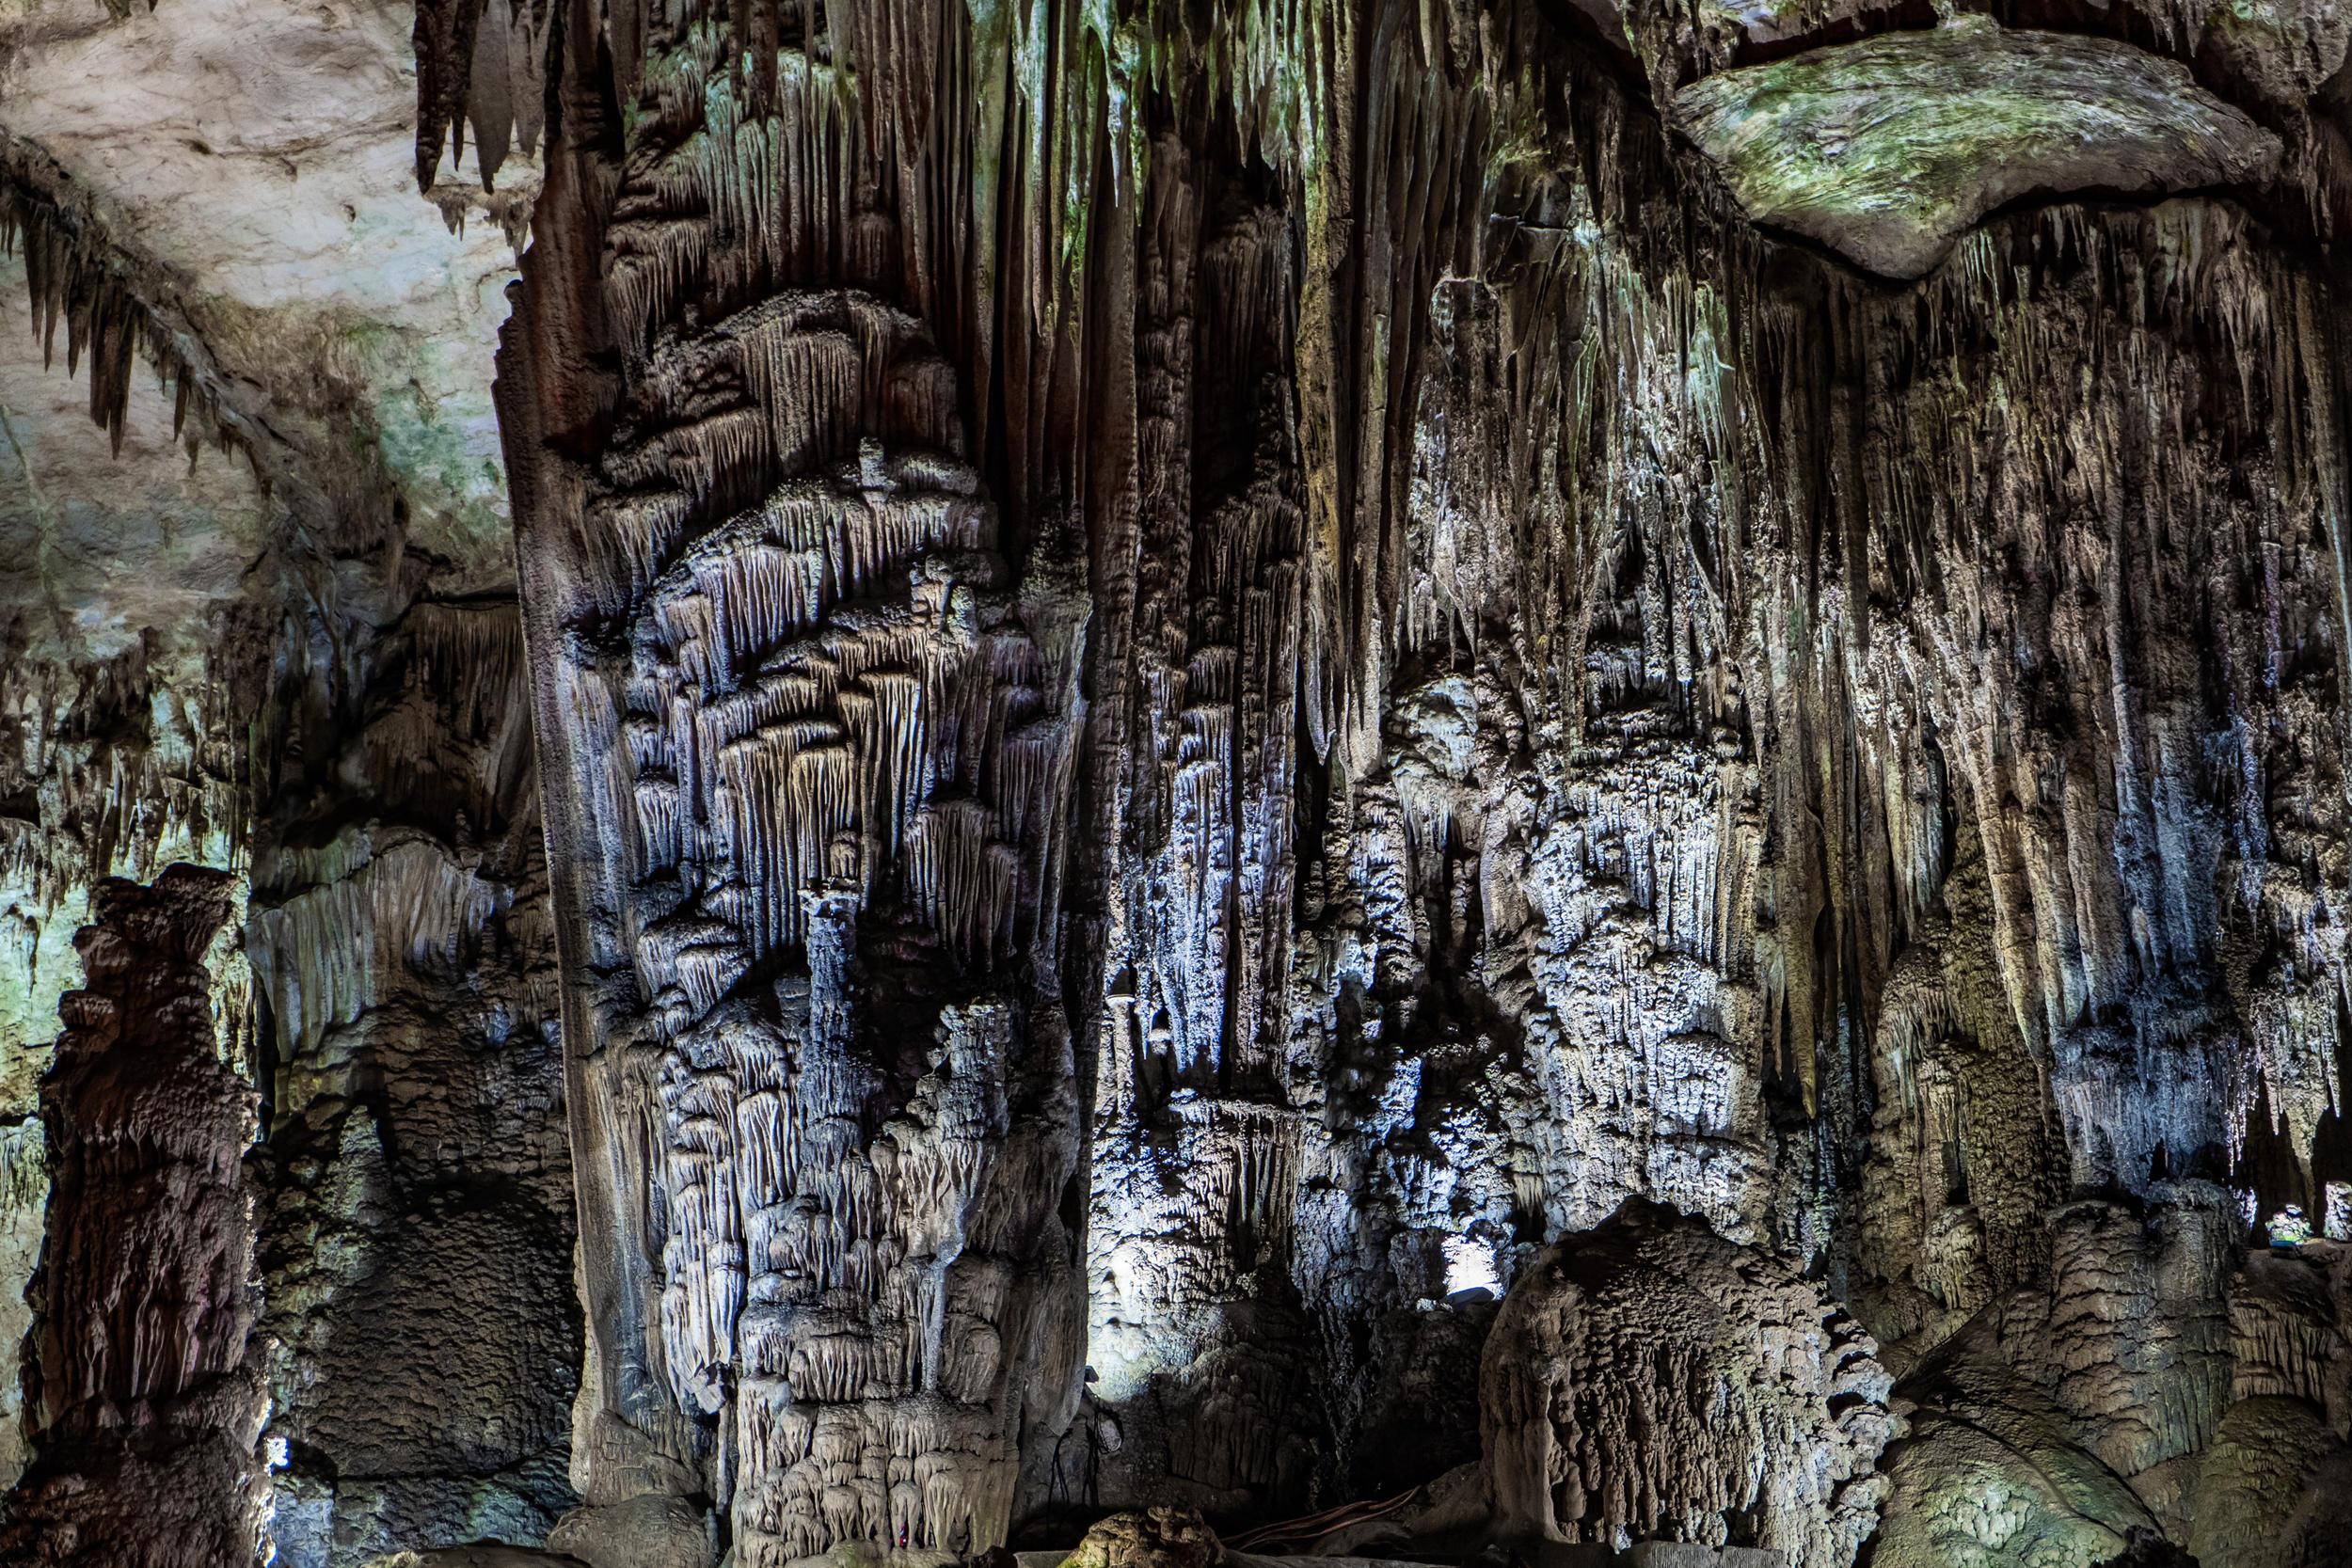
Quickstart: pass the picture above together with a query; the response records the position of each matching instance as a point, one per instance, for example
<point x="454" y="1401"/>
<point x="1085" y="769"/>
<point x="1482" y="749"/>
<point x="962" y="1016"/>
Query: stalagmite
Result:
<point x="146" y="1414"/>
<point x="1647" y="1380"/>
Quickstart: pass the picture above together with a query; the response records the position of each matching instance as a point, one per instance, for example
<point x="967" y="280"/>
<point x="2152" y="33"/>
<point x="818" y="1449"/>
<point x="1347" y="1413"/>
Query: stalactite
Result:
<point x="319" y="954"/>
<point x="74" y="277"/>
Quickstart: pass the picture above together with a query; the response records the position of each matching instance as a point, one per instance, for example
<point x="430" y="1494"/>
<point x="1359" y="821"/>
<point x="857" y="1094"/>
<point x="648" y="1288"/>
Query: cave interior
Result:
<point x="1165" y="784"/>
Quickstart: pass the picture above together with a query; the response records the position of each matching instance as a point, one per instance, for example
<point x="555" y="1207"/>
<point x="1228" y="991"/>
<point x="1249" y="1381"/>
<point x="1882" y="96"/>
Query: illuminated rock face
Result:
<point x="836" y="752"/>
<point x="1574" y="701"/>
<point x="1648" y="1379"/>
<point x="1176" y="702"/>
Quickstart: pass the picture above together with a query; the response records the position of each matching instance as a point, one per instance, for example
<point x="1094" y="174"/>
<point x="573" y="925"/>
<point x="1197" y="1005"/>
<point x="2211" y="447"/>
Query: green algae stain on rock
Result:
<point x="1887" y="150"/>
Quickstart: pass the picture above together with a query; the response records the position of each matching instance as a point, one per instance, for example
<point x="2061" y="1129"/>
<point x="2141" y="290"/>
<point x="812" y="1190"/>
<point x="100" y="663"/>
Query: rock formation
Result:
<point x="1888" y="149"/>
<point x="261" y="618"/>
<point x="1207" y="756"/>
<point x="1649" y="1380"/>
<point x="145" y="1397"/>
<point x="1152" y="1538"/>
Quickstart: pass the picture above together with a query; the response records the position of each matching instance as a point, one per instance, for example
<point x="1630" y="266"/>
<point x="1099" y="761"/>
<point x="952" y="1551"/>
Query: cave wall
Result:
<point x="1582" y="698"/>
<point x="261" y="618"/>
<point x="418" y="1244"/>
<point x="102" y="780"/>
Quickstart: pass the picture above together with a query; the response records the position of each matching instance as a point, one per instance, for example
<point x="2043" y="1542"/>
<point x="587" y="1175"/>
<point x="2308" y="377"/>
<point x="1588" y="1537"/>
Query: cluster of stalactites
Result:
<point x="827" y="691"/>
<point x="813" y="700"/>
<point x="480" y="63"/>
<point x="374" y="902"/>
<point x="74" y="279"/>
<point x="739" y="199"/>
<point x="810" y="376"/>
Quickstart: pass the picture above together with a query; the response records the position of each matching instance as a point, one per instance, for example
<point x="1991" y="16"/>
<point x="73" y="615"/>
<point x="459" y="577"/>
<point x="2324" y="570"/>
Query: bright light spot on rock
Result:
<point x="1469" y="1266"/>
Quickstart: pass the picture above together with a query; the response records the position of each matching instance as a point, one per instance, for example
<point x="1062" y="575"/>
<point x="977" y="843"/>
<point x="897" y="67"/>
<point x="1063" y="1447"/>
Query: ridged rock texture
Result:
<point x="1647" y="1378"/>
<point x="145" y="1395"/>
<point x="1220" y="752"/>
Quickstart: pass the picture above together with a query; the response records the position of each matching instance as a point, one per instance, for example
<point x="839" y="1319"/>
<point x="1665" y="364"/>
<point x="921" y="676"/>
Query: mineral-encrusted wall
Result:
<point x="810" y="750"/>
<point x="417" y="1244"/>
<point x="1582" y="699"/>
<point x="1751" y="1398"/>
